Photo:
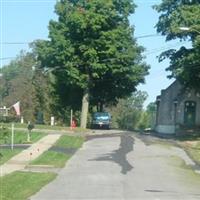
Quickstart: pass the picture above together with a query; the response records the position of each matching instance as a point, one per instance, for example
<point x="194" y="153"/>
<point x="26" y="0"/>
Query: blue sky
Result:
<point x="27" y="20"/>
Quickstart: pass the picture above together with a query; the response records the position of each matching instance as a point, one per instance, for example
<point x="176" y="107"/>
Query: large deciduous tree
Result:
<point x="20" y="82"/>
<point x="184" y="62"/>
<point x="91" y="44"/>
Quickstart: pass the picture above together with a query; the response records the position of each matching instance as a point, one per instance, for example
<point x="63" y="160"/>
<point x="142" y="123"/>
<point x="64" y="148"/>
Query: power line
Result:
<point x="146" y="36"/>
<point x="163" y="48"/>
<point x="7" y="58"/>
<point x="54" y="1"/>
<point x="22" y="43"/>
<point x="13" y="43"/>
<point x="151" y="51"/>
<point x="30" y="1"/>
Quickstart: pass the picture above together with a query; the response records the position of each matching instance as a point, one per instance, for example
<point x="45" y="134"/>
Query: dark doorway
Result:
<point x="190" y="113"/>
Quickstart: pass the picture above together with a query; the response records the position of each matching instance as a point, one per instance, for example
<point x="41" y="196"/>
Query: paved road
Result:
<point x="123" y="167"/>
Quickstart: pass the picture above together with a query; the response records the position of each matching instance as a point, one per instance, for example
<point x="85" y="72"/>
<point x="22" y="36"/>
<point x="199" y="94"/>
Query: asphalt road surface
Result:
<point x="124" y="167"/>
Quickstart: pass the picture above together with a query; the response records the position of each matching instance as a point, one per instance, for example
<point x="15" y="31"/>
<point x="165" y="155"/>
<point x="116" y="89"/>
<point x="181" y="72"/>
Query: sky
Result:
<point x="23" y="21"/>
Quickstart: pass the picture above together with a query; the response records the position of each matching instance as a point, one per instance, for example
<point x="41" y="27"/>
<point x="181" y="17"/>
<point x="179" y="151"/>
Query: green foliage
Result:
<point x="127" y="113"/>
<point x="23" y="81"/>
<point x="144" y="121"/>
<point x="8" y="119"/>
<point x="17" y="83"/>
<point x="4" y="134"/>
<point x="148" y="117"/>
<point x="92" y="46"/>
<point x="151" y="107"/>
<point x="184" y="62"/>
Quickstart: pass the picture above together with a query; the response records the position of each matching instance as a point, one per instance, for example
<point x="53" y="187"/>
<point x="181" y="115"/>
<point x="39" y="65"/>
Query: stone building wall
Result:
<point x="171" y="108"/>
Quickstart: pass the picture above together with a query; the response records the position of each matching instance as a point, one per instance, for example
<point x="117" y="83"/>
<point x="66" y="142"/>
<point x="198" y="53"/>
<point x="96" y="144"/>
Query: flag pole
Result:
<point x="12" y="136"/>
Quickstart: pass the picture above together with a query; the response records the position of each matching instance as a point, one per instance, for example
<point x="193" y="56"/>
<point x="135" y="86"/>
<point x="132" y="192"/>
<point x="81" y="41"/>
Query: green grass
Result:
<point x="185" y="173"/>
<point x="189" y="136"/>
<point x="69" y="141"/>
<point x="37" y="126"/>
<point x="20" y="137"/>
<point x="53" y="158"/>
<point x="6" y="154"/>
<point x="58" y="159"/>
<point x="194" y="152"/>
<point x="21" y="185"/>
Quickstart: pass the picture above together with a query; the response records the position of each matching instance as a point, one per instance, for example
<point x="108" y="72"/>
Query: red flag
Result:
<point x="16" y="106"/>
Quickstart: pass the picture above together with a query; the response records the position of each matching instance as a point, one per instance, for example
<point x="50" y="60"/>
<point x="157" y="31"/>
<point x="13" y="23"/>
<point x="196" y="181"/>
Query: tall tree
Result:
<point x="92" y="43"/>
<point x="20" y="82"/>
<point x="128" y="111"/>
<point x="184" y="62"/>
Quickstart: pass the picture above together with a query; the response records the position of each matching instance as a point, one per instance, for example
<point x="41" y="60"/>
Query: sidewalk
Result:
<point x="22" y="159"/>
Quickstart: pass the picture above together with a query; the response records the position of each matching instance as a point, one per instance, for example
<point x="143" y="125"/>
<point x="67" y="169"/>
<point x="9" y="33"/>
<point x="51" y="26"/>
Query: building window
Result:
<point x="190" y="113"/>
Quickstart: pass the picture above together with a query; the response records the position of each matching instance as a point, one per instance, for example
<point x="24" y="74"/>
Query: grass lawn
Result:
<point x="184" y="172"/>
<point x="38" y="126"/>
<point x="21" y="185"/>
<point x="6" y="154"/>
<point x="70" y="142"/>
<point x="58" y="159"/>
<point x="194" y="152"/>
<point x="20" y="137"/>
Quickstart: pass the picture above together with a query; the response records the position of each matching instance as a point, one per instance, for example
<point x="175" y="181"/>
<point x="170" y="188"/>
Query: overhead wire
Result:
<point x="145" y="53"/>
<point x="13" y="43"/>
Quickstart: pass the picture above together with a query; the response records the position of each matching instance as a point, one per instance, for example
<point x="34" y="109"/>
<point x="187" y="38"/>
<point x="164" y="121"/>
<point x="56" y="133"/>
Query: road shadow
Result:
<point x="119" y="156"/>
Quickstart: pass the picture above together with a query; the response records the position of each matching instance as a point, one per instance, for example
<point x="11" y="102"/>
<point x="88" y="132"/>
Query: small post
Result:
<point x="30" y="156"/>
<point x="29" y="127"/>
<point x="22" y="120"/>
<point x="28" y="136"/>
<point x="71" y="118"/>
<point x="12" y="136"/>
<point x="52" y="121"/>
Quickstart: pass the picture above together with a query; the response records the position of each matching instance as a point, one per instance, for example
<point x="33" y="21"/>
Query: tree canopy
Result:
<point x="19" y="82"/>
<point x="92" y="43"/>
<point x="184" y="62"/>
<point x="128" y="111"/>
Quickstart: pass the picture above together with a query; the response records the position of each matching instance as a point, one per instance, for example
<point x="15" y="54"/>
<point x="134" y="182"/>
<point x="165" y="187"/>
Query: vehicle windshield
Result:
<point x="100" y="115"/>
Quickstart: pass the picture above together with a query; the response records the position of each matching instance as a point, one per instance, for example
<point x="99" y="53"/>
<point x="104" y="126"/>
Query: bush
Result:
<point x="4" y="134"/>
<point x="8" y="119"/>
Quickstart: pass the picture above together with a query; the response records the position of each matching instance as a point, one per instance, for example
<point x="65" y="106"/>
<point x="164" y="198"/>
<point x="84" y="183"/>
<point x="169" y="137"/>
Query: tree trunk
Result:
<point x="101" y="106"/>
<point x="85" y="106"/>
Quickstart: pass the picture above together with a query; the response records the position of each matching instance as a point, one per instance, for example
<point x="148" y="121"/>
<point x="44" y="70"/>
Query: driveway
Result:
<point x="124" y="167"/>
